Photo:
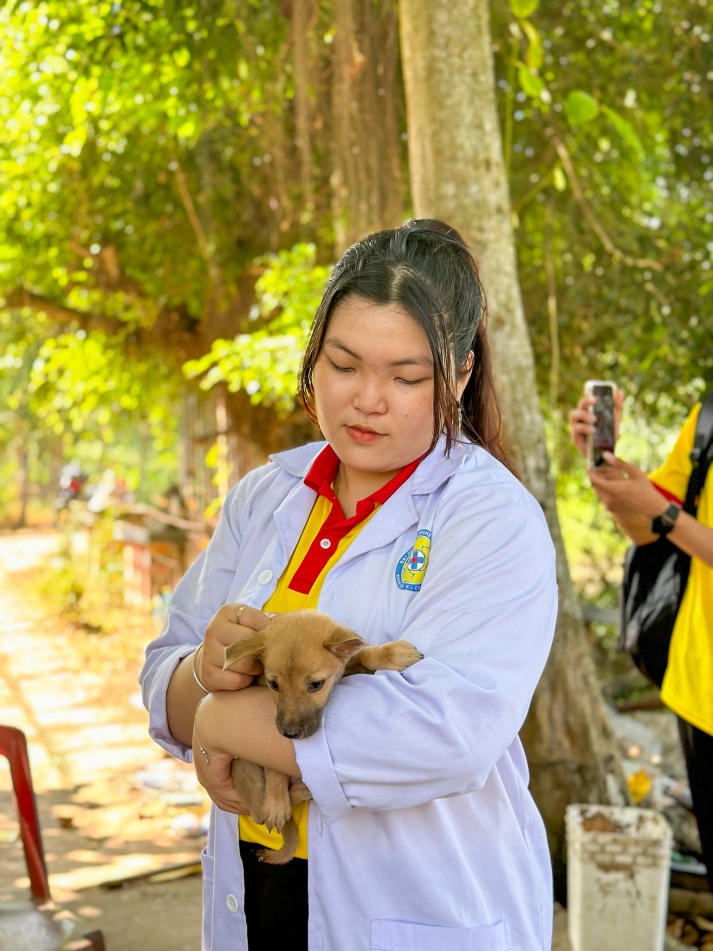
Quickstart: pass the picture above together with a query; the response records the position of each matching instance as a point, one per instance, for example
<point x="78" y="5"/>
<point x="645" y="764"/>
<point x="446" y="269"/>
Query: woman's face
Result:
<point x="373" y="389"/>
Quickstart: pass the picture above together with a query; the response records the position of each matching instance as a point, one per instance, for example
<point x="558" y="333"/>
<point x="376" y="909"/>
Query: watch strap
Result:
<point x="662" y="524"/>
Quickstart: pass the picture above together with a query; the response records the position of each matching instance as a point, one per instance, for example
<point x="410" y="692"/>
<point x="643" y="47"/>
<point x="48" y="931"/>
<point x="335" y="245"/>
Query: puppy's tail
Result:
<point x="289" y="846"/>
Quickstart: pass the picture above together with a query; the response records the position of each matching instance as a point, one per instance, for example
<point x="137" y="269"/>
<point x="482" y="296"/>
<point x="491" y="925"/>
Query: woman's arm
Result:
<point x="693" y="537"/>
<point x="483" y="618"/>
<point x="633" y="501"/>
<point x="237" y="723"/>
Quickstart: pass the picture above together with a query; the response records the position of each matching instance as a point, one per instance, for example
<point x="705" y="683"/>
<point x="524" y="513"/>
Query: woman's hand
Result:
<point x="226" y="626"/>
<point x="212" y="765"/>
<point x="201" y="672"/>
<point x="626" y="489"/>
<point x="582" y="420"/>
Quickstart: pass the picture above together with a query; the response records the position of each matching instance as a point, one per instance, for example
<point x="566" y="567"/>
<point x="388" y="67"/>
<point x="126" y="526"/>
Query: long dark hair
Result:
<point x="425" y="267"/>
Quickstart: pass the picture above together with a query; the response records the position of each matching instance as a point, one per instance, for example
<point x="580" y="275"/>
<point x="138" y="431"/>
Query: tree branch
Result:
<point x="598" y="229"/>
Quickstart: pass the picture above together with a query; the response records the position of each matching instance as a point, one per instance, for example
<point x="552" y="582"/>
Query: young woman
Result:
<point x="406" y="522"/>
<point x="646" y="507"/>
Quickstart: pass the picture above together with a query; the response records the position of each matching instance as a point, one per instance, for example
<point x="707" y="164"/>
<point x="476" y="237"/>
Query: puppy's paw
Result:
<point x="271" y="857"/>
<point x="277" y="809"/>
<point x="398" y="655"/>
<point x="290" y="839"/>
<point x="299" y="792"/>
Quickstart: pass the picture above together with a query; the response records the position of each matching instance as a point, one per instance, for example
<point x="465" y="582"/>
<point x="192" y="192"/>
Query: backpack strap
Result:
<point x="701" y="454"/>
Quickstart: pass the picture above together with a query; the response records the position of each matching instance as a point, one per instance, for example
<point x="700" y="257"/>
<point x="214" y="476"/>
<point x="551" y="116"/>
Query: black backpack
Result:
<point x="655" y="575"/>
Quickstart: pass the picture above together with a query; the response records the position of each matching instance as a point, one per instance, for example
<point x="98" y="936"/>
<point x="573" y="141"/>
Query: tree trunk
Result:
<point x="366" y="180"/>
<point x="458" y="174"/>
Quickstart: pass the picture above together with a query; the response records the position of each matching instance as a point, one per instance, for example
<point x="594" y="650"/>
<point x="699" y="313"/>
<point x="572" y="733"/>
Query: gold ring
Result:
<point x="239" y="613"/>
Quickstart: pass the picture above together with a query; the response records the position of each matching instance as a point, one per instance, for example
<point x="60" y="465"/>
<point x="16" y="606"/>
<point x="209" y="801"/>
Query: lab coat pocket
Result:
<point x="388" y="935"/>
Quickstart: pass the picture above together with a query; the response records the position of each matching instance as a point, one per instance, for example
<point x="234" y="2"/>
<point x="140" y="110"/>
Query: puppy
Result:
<point x="303" y="654"/>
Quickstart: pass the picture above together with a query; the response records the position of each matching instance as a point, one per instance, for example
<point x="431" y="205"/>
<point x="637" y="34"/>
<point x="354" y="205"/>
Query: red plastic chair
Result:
<point x="13" y="745"/>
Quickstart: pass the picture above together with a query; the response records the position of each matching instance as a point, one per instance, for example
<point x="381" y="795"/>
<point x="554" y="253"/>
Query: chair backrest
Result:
<point x="13" y="745"/>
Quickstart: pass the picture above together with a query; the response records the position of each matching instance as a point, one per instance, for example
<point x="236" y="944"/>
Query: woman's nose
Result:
<point x="369" y="396"/>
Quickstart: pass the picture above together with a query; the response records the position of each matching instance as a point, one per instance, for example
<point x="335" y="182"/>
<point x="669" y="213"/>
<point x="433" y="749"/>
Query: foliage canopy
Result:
<point x="167" y="196"/>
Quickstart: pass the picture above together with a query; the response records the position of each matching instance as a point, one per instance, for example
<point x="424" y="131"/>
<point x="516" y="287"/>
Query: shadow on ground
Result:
<point x="122" y="824"/>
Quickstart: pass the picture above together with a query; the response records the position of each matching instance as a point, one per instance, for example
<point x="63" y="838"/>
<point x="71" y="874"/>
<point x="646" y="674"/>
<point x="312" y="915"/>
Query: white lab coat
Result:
<point x="422" y="832"/>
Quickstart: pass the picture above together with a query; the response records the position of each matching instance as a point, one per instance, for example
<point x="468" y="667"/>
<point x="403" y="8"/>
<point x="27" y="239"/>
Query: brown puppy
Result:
<point x="303" y="654"/>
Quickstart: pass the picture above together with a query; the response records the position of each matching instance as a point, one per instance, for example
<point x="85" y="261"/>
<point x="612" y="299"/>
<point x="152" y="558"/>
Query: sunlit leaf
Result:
<point x="580" y="107"/>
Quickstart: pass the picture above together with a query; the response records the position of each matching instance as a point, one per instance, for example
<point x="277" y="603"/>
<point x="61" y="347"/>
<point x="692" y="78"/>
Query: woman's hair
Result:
<point x="425" y="267"/>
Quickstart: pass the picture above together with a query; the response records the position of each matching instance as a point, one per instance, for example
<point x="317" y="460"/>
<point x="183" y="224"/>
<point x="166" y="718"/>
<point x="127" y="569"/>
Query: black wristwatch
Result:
<point x="663" y="524"/>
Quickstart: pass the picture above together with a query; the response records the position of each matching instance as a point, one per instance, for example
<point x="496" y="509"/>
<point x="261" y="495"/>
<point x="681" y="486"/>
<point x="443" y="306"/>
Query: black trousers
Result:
<point x="275" y="902"/>
<point x="698" y="752"/>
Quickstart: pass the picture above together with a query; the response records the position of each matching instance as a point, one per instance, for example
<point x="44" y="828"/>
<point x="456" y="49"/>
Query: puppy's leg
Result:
<point x="279" y="816"/>
<point x="276" y="802"/>
<point x="394" y="655"/>
<point x="266" y="792"/>
<point x="285" y="854"/>
<point x="249" y="781"/>
<point x="268" y="795"/>
<point x="299" y="792"/>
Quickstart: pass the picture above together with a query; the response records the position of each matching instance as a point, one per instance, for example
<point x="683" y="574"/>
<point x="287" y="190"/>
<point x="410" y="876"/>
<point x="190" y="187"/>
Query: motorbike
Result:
<point x="72" y="482"/>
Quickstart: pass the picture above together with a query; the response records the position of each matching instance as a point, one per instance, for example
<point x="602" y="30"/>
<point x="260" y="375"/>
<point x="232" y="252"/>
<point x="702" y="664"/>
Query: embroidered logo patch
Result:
<point x="412" y="566"/>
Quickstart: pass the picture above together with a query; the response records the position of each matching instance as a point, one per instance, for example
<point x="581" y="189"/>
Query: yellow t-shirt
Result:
<point x="688" y="684"/>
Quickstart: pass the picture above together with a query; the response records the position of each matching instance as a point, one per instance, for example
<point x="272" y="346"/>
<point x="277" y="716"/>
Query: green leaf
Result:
<point x="559" y="179"/>
<point x="626" y="131"/>
<point x="580" y="107"/>
<point x="524" y="8"/>
<point x="530" y="83"/>
<point x="534" y="55"/>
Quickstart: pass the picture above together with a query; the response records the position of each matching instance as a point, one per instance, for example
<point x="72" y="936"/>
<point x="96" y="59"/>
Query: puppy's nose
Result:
<point x="291" y="732"/>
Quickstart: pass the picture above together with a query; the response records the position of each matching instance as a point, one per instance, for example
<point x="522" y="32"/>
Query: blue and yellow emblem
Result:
<point x="412" y="566"/>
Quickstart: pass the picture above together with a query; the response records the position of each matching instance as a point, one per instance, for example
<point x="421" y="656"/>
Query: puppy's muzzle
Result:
<point x="297" y="729"/>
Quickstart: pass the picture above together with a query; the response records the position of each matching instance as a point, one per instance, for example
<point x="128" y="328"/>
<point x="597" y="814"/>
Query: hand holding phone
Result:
<point x="603" y="438"/>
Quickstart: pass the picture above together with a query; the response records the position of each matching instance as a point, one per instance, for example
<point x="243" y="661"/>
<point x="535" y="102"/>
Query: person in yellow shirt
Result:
<point x="646" y="507"/>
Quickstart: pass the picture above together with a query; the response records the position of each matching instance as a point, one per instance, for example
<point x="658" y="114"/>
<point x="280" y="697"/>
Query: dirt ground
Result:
<point x="122" y="824"/>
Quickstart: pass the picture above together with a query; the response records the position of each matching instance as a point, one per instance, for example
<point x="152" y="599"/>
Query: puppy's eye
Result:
<point x="273" y="685"/>
<point x="314" y="686"/>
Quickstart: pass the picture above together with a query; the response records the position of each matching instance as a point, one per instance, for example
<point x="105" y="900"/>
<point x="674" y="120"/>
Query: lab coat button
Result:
<point x="232" y="903"/>
<point x="265" y="577"/>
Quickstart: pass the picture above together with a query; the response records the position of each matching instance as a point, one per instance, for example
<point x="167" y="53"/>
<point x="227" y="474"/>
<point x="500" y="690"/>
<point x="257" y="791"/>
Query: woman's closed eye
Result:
<point x="341" y="368"/>
<point x="423" y="379"/>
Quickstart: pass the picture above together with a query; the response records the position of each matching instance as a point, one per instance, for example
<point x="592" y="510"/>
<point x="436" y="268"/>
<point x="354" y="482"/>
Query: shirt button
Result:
<point x="325" y="543"/>
<point x="265" y="577"/>
<point x="232" y="903"/>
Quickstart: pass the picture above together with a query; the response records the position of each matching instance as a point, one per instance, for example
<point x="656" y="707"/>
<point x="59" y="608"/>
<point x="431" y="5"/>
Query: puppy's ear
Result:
<point x="250" y="646"/>
<point x="344" y="644"/>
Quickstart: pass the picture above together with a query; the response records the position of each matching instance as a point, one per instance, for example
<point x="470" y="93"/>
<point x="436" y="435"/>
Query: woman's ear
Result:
<point x="464" y="374"/>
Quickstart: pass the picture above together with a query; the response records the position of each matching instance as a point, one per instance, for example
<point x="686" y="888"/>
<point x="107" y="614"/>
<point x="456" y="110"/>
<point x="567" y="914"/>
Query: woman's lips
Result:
<point x="361" y="435"/>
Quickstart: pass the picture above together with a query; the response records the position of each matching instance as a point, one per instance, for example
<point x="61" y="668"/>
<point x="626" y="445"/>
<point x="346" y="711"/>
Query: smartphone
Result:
<point x="603" y="438"/>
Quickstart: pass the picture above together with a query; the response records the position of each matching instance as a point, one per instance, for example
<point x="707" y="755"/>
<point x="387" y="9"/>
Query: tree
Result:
<point x="458" y="174"/>
<point x="609" y="163"/>
<point x="175" y="174"/>
<point x="150" y="170"/>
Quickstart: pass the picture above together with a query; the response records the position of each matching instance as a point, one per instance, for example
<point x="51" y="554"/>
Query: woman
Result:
<point x="404" y="523"/>
<point x="646" y="507"/>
